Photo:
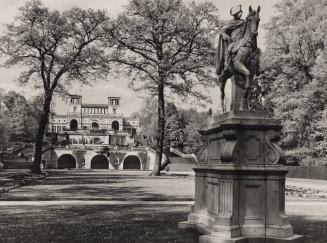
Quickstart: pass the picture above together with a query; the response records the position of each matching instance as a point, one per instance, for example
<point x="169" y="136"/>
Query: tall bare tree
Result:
<point x="55" y="48"/>
<point x="166" y="45"/>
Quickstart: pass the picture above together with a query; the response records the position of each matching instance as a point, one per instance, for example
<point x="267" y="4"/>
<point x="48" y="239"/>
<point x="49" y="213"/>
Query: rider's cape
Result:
<point x="233" y="28"/>
<point x="220" y="54"/>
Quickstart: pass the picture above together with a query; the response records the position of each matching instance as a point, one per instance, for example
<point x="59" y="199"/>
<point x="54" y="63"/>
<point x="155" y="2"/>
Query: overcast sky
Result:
<point x="99" y="92"/>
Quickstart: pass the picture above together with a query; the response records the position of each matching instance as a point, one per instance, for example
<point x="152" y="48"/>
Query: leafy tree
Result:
<point x="195" y="121"/>
<point x="295" y="68"/>
<point x="17" y="110"/>
<point x="175" y="129"/>
<point x="55" y="48"/>
<point x="189" y="120"/>
<point x="149" y="119"/>
<point x="165" y="46"/>
<point x="4" y="133"/>
<point x="21" y="116"/>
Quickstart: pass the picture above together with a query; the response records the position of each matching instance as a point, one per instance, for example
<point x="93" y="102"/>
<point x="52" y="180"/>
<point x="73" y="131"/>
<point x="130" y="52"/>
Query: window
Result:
<point x="75" y="109"/>
<point x="114" y="102"/>
<point x="115" y="125"/>
<point x="74" y="101"/>
<point x="58" y="129"/>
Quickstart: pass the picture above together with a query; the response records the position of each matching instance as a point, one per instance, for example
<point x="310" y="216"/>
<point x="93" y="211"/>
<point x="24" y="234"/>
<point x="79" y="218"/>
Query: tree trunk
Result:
<point x="40" y="134"/>
<point x="161" y="129"/>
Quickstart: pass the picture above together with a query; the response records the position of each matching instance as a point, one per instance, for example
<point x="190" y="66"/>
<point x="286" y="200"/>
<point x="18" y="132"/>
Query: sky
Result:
<point x="101" y="89"/>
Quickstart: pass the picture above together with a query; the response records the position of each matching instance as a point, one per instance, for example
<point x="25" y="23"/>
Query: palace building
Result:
<point x="94" y="123"/>
<point x="96" y="136"/>
<point x="105" y="117"/>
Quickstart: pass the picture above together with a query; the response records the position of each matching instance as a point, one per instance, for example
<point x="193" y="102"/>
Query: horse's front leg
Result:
<point x="241" y="68"/>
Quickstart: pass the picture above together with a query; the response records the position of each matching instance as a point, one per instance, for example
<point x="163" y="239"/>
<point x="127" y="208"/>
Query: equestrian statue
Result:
<point x="237" y="54"/>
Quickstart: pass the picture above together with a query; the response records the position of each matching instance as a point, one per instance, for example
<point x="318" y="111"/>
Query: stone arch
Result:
<point x="99" y="162"/>
<point x="73" y="125"/>
<point x="95" y="125"/>
<point x="115" y="125"/>
<point x="132" y="162"/>
<point x="66" y="161"/>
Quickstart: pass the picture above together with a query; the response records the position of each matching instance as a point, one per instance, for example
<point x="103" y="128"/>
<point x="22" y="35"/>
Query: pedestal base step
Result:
<point x="248" y="239"/>
<point x="207" y="238"/>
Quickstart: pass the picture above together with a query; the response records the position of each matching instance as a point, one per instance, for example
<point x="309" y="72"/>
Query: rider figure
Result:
<point x="232" y="32"/>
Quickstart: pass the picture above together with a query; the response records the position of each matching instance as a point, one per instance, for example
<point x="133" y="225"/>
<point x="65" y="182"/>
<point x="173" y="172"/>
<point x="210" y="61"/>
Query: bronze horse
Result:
<point x="245" y="63"/>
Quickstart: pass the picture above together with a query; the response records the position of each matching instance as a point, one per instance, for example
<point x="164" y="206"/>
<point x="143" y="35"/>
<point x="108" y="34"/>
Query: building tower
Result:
<point x="74" y="112"/>
<point x="115" y="113"/>
<point x="114" y="106"/>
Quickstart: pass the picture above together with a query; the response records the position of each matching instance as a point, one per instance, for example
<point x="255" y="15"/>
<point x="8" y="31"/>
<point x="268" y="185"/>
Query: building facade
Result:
<point x="95" y="136"/>
<point x="96" y="117"/>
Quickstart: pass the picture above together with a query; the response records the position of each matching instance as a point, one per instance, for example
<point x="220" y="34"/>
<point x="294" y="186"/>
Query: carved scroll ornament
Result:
<point x="203" y="153"/>
<point x="228" y="152"/>
<point x="275" y="153"/>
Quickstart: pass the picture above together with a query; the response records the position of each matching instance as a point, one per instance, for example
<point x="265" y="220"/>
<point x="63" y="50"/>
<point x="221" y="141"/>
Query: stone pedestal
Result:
<point x="239" y="185"/>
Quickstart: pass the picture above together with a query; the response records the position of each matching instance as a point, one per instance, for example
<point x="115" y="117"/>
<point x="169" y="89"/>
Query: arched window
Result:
<point x="115" y="125"/>
<point x="95" y="125"/>
<point x="73" y="125"/>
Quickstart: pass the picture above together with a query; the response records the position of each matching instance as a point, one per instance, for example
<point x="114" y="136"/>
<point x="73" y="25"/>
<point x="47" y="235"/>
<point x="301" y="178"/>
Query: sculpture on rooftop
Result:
<point x="238" y="56"/>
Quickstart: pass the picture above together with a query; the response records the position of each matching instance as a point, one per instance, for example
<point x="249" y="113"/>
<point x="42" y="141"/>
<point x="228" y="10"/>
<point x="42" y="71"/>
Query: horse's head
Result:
<point x="253" y="20"/>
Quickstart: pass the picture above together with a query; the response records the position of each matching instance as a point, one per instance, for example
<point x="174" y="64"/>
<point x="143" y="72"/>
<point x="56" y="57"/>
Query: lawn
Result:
<point x="99" y="206"/>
